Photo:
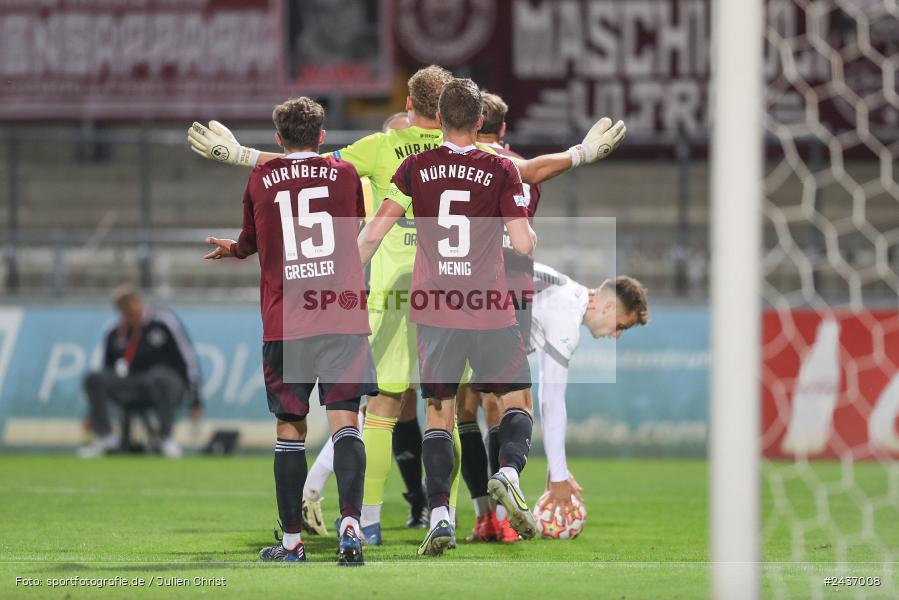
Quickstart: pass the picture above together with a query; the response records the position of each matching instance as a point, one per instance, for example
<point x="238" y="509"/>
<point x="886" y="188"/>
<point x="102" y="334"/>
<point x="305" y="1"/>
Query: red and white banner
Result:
<point x="162" y="59"/>
<point x="830" y="385"/>
<point x="562" y="65"/>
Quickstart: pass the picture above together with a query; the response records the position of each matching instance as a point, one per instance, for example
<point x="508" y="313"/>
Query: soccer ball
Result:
<point x="554" y="526"/>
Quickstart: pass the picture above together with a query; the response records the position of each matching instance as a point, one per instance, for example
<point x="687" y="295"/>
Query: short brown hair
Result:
<point x="425" y="87"/>
<point x="495" y="110"/>
<point x="460" y="104"/>
<point x="299" y="121"/>
<point x="632" y="296"/>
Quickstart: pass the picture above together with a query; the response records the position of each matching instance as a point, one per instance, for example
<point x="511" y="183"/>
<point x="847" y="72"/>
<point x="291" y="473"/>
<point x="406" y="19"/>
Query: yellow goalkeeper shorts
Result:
<point x="393" y="338"/>
<point x="393" y="348"/>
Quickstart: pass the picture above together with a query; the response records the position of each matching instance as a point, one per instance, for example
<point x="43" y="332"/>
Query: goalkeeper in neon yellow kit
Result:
<point x="393" y="339"/>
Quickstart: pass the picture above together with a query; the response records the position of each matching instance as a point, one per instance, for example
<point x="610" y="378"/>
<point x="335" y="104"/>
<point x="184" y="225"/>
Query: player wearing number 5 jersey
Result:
<point x="301" y="215"/>
<point x="462" y="196"/>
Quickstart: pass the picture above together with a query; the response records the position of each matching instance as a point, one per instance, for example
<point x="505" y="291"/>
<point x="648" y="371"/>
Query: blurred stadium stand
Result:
<point x="88" y="201"/>
<point x="85" y="208"/>
<point x="88" y="208"/>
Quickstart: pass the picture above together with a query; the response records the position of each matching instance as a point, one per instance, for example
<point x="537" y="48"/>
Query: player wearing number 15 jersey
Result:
<point x="301" y="215"/>
<point x="462" y="196"/>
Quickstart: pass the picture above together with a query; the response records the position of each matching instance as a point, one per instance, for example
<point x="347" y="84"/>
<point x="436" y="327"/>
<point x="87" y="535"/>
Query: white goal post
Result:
<point x="736" y="196"/>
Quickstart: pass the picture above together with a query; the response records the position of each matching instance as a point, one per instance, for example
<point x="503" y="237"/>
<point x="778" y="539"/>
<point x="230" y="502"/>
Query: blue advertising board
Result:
<point x="657" y="405"/>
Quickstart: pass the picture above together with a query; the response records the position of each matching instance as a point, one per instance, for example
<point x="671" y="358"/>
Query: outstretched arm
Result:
<point x="217" y="143"/>
<point x="599" y="142"/>
<point x="374" y="231"/>
<point x="245" y="245"/>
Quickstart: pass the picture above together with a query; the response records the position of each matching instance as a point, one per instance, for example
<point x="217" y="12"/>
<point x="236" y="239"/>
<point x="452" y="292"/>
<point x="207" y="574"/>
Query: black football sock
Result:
<point x="407" y="452"/>
<point x="349" y="468"/>
<point x="493" y="449"/>
<point x="290" y="477"/>
<point x="474" y="459"/>
<point x="515" y="438"/>
<point x="439" y="460"/>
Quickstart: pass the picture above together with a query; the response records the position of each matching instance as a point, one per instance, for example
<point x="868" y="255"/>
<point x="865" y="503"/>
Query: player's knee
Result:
<point x="343" y="414"/>
<point x="490" y="405"/>
<point x="465" y="414"/>
<point x="409" y="410"/>
<point x="439" y="413"/>
<point x="291" y="427"/>
<point x="518" y="399"/>
<point x="385" y="405"/>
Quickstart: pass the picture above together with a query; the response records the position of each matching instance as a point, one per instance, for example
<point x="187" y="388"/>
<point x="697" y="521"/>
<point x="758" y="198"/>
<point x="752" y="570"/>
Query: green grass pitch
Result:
<point x="646" y="535"/>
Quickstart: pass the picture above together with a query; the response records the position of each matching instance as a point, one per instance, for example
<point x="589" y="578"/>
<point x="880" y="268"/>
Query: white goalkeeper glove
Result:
<point x="599" y="142"/>
<point x="217" y="143"/>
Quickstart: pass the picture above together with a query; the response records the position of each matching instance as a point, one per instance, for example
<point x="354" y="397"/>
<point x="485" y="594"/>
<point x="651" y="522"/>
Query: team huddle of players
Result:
<point x="305" y="213"/>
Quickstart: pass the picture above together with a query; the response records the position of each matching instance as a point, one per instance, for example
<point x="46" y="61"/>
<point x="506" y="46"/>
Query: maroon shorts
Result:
<point x="341" y="364"/>
<point x="497" y="356"/>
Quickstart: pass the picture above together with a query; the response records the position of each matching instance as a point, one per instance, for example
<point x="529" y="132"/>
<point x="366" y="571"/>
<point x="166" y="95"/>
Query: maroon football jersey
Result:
<point x="531" y="191"/>
<point x="301" y="214"/>
<point x="461" y="198"/>
<point x="520" y="269"/>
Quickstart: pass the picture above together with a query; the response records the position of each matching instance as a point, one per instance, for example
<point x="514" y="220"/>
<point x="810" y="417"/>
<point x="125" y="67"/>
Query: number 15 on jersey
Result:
<point x="306" y="219"/>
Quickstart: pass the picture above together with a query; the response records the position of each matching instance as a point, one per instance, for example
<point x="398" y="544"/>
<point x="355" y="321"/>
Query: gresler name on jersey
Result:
<point x="306" y="270"/>
<point x="295" y="171"/>
<point x="457" y="172"/>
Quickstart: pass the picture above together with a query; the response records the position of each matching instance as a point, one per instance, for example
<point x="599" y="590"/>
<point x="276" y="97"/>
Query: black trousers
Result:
<point x="160" y="389"/>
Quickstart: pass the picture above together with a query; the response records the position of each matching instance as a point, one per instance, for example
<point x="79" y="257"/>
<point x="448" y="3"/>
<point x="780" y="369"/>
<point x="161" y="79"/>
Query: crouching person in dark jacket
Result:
<point x="149" y="364"/>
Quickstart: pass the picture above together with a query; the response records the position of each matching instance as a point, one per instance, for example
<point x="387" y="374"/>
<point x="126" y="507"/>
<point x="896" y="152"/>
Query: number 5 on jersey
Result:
<point x="305" y="219"/>
<point x="448" y="221"/>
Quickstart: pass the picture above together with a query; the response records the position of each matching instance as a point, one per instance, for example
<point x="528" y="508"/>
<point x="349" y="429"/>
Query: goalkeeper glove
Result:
<point x="599" y="142"/>
<point x="217" y="143"/>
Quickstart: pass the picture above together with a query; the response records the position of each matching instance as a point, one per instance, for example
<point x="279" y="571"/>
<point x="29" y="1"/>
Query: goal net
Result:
<point x="830" y="299"/>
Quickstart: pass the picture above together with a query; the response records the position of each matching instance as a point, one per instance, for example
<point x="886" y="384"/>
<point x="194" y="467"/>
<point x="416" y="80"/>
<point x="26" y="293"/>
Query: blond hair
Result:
<point x="425" y="87"/>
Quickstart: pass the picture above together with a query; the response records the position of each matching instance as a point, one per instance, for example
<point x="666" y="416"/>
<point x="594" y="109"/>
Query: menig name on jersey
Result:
<point x="454" y="267"/>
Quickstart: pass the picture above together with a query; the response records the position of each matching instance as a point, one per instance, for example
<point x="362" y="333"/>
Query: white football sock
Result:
<point x="350" y="522"/>
<point x="511" y="474"/>
<point x="481" y="505"/>
<point x="441" y="513"/>
<point x="321" y="469"/>
<point x="290" y="540"/>
<point x="452" y="515"/>
<point x="318" y="476"/>
<point x="371" y="513"/>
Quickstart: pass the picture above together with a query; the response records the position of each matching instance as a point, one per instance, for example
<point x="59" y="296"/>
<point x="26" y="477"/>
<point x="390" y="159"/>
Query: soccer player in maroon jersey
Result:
<point x="461" y="197"/>
<point x="301" y="214"/>
<point x="491" y="523"/>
